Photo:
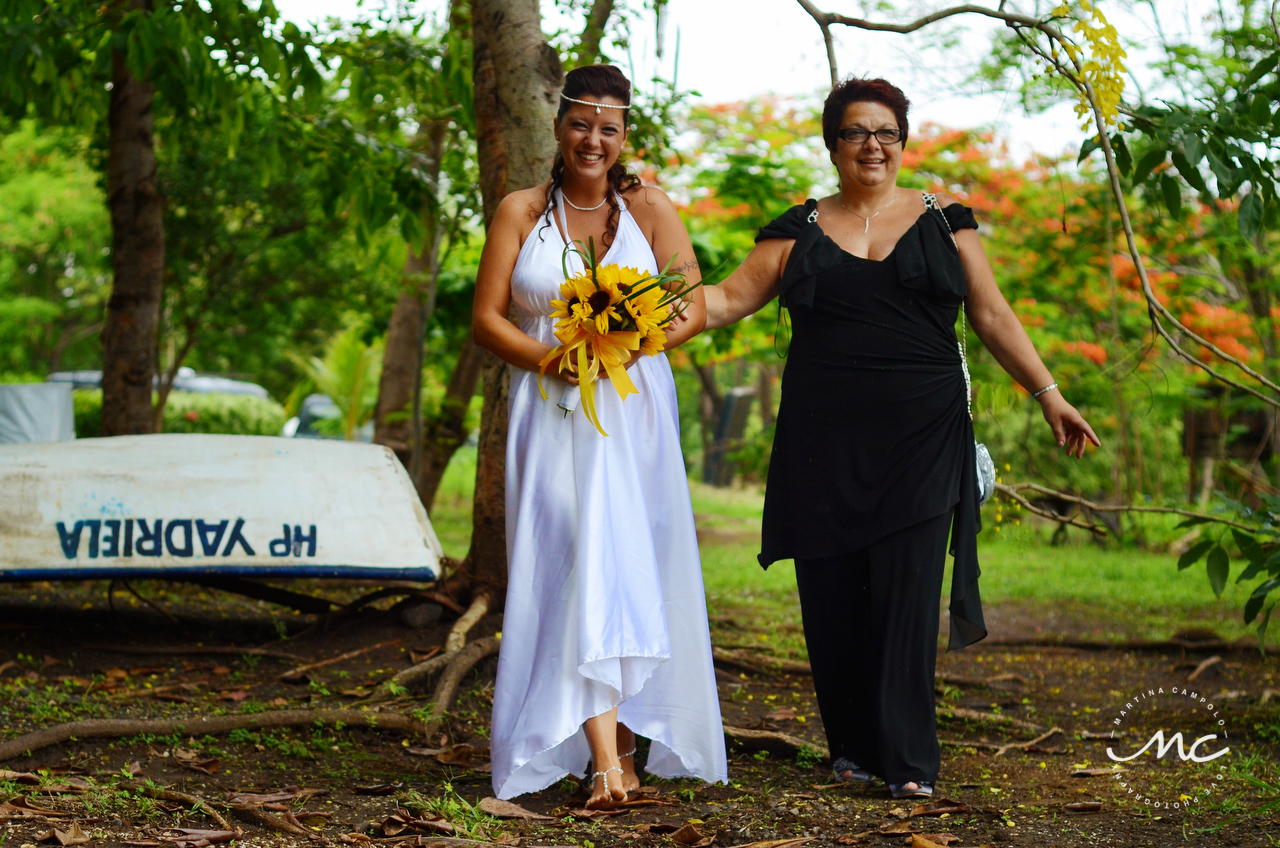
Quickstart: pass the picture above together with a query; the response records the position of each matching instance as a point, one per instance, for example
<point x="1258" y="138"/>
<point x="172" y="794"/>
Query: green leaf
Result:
<point x="1147" y="164"/>
<point x="1226" y="181"/>
<point x="1123" y="160"/>
<point x="1191" y="522"/>
<point x="1193" y="146"/>
<point x="1264" y="589"/>
<point x="1188" y="172"/>
<point x="1172" y="195"/>
<point x="1252" y="607"/>
<point x="1250" y="215"/>
<point x="1090" y="145"/>
<point x="1194" y="553"/>
<point x="1260" y="109"/>
<point x="1260" y="70"/>
<point x="1248" y="546"/>
<point x="1218" y="568"/>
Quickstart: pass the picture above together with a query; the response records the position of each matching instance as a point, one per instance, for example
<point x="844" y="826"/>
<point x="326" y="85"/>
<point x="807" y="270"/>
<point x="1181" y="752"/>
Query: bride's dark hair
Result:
<point x="587" y="83"/>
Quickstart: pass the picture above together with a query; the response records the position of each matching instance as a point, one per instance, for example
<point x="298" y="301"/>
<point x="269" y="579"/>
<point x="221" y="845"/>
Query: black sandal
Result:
<point x="922" y="790"/>
<point x="857" y="774"/>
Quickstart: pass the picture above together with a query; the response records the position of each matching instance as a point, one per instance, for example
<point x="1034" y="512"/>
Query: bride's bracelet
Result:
<point x="1039" y="392"/>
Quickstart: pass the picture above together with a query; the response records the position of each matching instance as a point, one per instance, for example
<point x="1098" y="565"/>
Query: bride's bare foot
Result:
<point x="627" y="759"/>
<point x="630" y="780"/>
<point x="607" y="790"/>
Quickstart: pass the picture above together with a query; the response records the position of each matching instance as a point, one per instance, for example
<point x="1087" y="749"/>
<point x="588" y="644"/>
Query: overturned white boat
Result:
<point x="185" y="505"/>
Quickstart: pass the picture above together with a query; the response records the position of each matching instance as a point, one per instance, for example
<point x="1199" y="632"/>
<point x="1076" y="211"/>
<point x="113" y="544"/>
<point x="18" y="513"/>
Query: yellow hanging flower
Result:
<point x="1104" y="69"/>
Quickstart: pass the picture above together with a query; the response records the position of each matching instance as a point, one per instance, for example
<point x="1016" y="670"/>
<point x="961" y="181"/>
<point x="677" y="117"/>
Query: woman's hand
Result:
<point x="1068" y="425"/>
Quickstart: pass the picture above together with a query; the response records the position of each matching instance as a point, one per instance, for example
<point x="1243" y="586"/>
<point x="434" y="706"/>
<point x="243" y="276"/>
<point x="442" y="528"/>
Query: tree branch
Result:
<point x="1074" y="74"/>
<point x="1011" y="490"/>
<point x="824" y="23"/>
<point x="588" y="52"/>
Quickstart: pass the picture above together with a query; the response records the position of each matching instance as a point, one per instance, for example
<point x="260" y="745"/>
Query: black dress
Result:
<point x="873" y="433"/>
<point x="873" y="464"/>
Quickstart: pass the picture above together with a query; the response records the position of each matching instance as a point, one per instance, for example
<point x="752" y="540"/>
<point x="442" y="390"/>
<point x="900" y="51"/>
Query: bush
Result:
<point x="191" y="412"/>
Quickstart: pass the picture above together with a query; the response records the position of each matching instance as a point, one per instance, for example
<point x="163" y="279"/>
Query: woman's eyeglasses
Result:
<point x="857" y="135"/>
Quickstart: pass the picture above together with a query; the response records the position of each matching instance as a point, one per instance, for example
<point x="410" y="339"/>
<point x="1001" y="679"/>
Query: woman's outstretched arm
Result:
<point x="1003" y="334"/>
<point x="751" y="285"/>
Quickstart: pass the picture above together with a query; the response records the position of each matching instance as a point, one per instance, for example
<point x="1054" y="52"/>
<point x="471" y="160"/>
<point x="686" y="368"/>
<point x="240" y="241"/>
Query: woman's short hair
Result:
<point x="855" y="90"/>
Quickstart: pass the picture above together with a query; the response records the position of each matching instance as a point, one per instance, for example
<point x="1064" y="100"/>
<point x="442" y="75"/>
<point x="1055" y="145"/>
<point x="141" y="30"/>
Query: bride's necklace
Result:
<point x="598" y="205"/>
<point x="867" y="226"/>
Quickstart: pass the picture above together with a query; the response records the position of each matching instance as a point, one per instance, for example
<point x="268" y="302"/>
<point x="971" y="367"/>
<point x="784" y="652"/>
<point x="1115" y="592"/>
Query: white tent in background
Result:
<point x="187" y="505"/>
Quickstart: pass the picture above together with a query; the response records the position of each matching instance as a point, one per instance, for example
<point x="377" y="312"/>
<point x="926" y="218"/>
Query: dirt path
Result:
<point x="64" y="655"/>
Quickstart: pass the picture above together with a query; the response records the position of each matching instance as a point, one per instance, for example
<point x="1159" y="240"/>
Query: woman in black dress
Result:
<point x="873" y="465"/>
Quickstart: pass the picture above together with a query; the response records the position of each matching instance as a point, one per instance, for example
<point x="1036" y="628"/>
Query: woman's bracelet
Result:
<point x="1039" y="392"/>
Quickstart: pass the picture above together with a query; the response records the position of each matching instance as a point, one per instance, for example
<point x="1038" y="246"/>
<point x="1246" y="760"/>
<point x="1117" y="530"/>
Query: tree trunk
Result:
<point x="588" y="52"/>
<point x="137" y="248"/>
<point x="446" y="431"/>
<point x="518" y="78"/>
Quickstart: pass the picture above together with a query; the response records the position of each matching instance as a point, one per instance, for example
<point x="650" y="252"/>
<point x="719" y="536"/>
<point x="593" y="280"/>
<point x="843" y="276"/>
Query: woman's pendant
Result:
<point x="867" y="226"/>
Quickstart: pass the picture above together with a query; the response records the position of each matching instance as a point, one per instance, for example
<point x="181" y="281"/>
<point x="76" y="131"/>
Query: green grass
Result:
<point x="1078" y="587"/>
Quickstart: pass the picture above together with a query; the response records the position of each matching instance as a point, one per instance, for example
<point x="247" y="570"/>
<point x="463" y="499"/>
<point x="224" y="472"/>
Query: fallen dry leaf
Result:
<point x="508" y="810"/>
<point x="460" y="755"/>
<point x="508" y="839"/>
<point x="354" y="838"/>
<point x="899" y="827"/>
<point x="691" y="837"/>
<point x="657" y="829"/>
<point x="898" y="812"/>
<point x="192" y="838"/>
<point x="940" y="807"/>
<point x="141" y="843"/>
<point x="929" y="840"/>
<point x="21" y="808"/>
<point x="288" y="793"/>
<point x="236" y="695"/>
<point x="71" y="836"/>
<point x="584" y="813"/>
<point x="423" y="752"/>
<point x="1095" y="772"/>
<point x="778" y="843"/>
<point x="1083" y="807"/>
<point x="19" y="777"/>
<point x="378" y="789"/>
<point x="781" y="714"/>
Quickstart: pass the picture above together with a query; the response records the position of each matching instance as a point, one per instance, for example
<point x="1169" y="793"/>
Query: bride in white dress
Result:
<point x="605" y="631"/>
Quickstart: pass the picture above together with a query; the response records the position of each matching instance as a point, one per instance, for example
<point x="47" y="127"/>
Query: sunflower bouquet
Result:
<point x="608" y="313"/>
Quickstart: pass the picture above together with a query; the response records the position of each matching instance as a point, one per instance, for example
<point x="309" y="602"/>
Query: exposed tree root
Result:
<point x="294" y="675"/>
<point x="1024" y="746"/>
<point x="759" y="663"/>
<point x="778" y="744"/>
<point x="255" y="815"/>
<point x="1245" y="644"/>
<point x="447" y="689"/>
<point x="989" y="718"/>
<point x="99" y="728"/>
<point x="453" y="644"/>
<point x="192" y="650"/>
<point x="162" y="794"/>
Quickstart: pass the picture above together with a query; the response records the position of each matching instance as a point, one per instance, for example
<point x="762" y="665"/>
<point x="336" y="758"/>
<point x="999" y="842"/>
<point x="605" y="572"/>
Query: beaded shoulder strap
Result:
<point x="931" y="202"/>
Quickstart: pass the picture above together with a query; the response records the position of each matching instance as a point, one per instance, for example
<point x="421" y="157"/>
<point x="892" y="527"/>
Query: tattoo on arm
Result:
<point x="686" y="267"/>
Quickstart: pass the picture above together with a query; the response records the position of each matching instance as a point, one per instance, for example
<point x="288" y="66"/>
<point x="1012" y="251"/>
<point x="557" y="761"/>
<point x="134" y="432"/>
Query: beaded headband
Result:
<point x="598" y="106"/>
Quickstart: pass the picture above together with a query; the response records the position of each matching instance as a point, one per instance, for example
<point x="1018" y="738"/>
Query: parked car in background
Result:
<point x="187" y="380"/>
<point x="316" y="408"/>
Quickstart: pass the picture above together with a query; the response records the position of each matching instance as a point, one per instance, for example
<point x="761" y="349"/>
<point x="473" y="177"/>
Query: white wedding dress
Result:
<point x="605" y="605"/>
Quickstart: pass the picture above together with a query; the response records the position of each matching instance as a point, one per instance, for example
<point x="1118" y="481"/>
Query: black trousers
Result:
<point x="871" y="624"/>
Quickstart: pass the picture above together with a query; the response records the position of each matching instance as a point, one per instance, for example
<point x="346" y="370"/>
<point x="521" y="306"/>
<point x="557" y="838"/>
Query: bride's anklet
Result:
<point x="630" y="753"/>
<point x="604" y="775"/>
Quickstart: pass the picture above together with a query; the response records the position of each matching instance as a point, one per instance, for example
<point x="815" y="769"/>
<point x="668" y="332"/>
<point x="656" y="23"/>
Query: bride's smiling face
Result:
<point x="591" y="143"/>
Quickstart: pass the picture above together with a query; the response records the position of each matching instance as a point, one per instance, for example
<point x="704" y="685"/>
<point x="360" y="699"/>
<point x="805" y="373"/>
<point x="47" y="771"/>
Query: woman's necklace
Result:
<point x="866" y="227"/>
<point x="602" y="203"/>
